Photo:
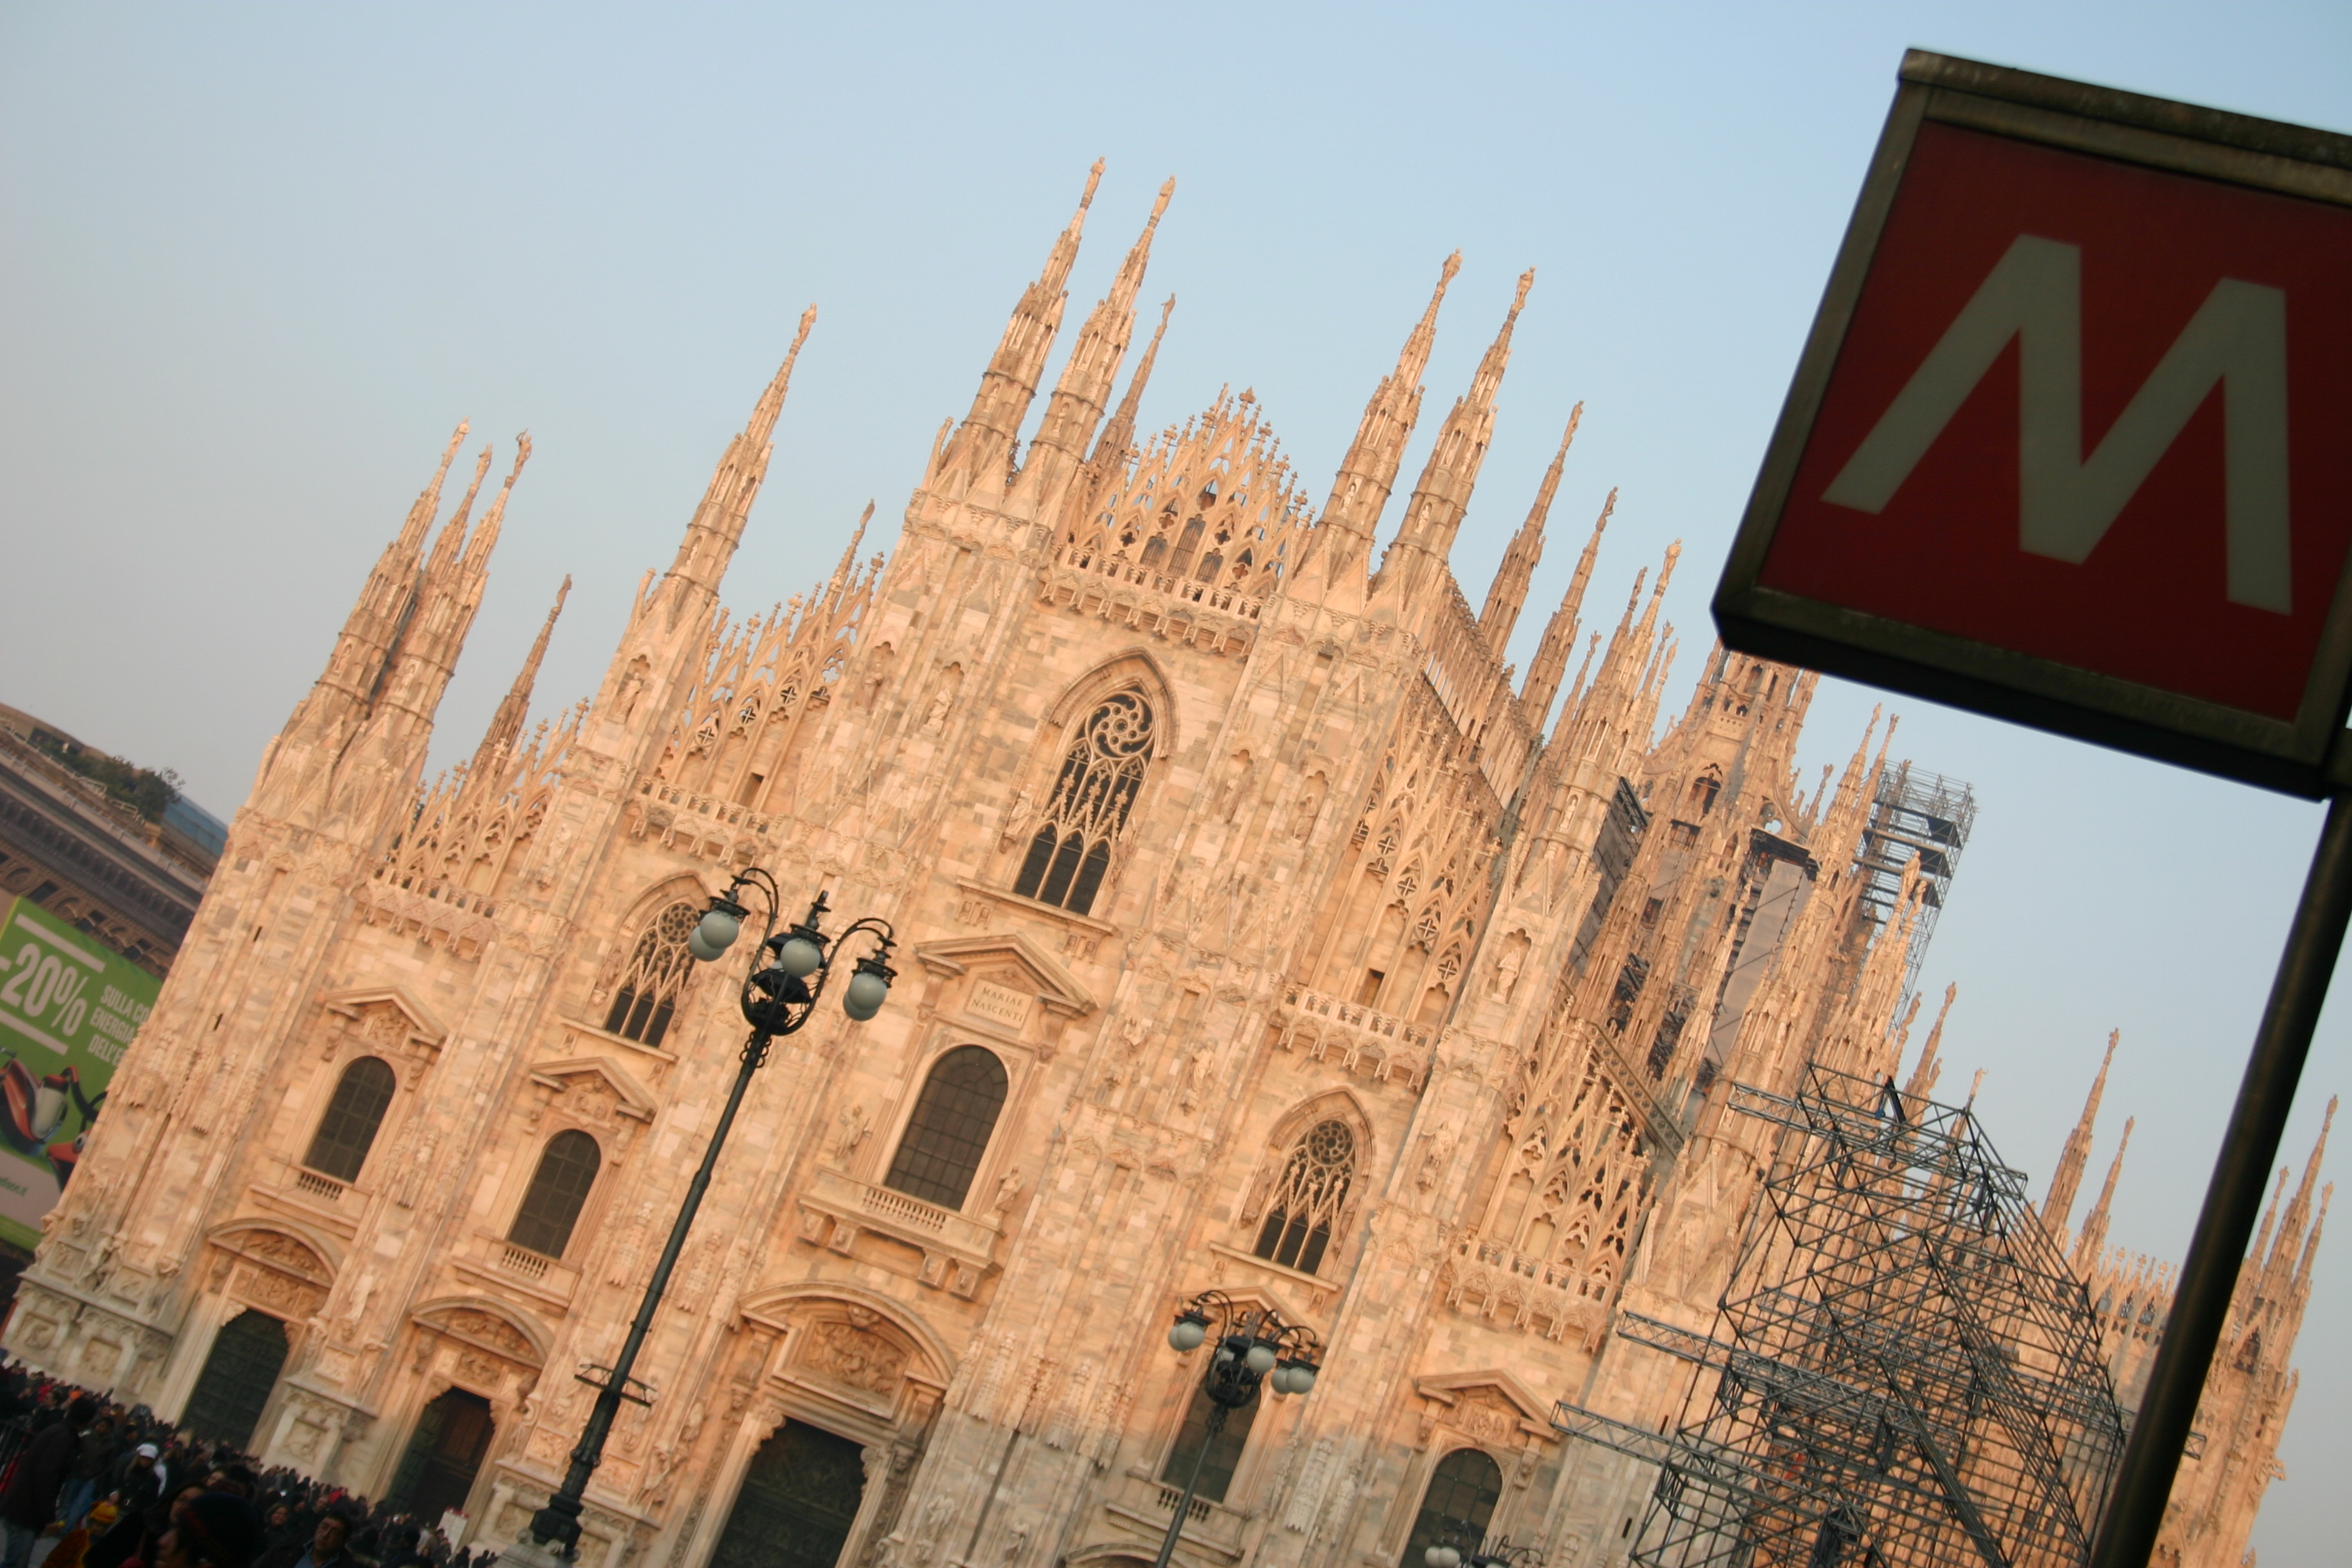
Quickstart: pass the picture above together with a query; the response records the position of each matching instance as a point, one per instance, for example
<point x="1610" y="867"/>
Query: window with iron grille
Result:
<point x="339" y="1147"/>
<point x="1458" y="1506"/>
<point x="647" y="993"/>
<point x="1224" y="1455"/>
<point x="558" y="1190"/>
<point x="1304" y="1208"/>
<point x="949" y="1133"/>
<point x="1101" y="774"/>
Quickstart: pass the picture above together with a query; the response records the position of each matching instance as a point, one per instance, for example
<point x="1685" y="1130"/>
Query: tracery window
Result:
<point x="339" y="1147"/>
<point x="558" y="1191"/>
<point x="1101" y="774"/>
<point x="646" y="995"/>
<point x="949" y="1133"/>
<point x="1304" y="1208"/>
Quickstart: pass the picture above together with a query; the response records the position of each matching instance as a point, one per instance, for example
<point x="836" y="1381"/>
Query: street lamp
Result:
<point x="778" y="997"/>
<point x="1254" y="1346"/>
<point x="1498" y="1554"/>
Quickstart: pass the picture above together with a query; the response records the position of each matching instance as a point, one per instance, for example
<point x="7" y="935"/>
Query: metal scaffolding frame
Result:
<point x="1915" y="816"/>
<point x="1904" y="1374"/>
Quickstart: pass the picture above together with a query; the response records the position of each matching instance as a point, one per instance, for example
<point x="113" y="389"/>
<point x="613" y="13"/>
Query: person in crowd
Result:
<point x="140" y="1487"/>
<point x="29" y="1501"/>
<point x="91" y="1461"/>
<point x="400" y="1544"/>
<point x="214" y="1530"/>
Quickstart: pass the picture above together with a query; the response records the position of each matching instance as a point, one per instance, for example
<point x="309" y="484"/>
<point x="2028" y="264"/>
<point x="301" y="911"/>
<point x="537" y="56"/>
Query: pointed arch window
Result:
<point x="1100" y="777"/>
<point x="645" y="997"/>
<point x="950" y="1130"/>
<point x="1304" y="1208"/>
<point x="558" y="1191"/>
<point x="339" y="1147"/>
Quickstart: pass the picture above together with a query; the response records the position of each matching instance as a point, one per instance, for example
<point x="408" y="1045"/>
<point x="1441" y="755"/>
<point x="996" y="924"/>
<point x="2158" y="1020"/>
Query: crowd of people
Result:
<point x="122" y="1488"/>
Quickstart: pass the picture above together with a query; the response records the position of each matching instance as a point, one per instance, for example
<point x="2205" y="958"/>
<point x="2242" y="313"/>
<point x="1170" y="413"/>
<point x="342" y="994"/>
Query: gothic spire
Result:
<point x="2286" y="1249"/>
<point x="1116" y="441"/>
<point x="448" y="545"/>
<point x="1359" y="490"/>
<point x="983" y="445"/>
<point x="1442" y="496"/>
<point x="2094" y="1237"/>
<point x="486" y="538"/>
<point x="1084" y="390"/>
<point x="1509" y="593"/>
<point x="2058" y="1204"/>
<point x="718" y="524"/>
<point x="505" y="724"/>
<point x="1931" y="1060"/>
<point x="428" y="504"/>
<point x="1559" y="633"/>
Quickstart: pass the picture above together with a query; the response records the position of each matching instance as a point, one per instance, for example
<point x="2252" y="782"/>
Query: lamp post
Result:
<point x="1498" y="1554"/>
<point x="778" y="998"/>
<point x="1254" y="1346"/>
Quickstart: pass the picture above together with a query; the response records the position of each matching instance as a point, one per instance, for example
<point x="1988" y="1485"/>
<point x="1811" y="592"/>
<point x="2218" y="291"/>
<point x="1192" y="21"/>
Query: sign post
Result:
<point x="2066" y="447"/>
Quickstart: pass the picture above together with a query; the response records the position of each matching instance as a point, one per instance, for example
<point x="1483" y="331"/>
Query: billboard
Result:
<point x="68" y="1008"/>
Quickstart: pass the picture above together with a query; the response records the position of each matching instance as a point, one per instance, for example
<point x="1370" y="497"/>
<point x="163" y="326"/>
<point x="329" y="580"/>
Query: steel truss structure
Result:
<point x="1903" y="1372"/>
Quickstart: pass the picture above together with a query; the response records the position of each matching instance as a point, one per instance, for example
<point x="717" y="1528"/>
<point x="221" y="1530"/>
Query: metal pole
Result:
<point x="1217" y="1414"/>
<point x="2233" y="1201"/>
<point x="558" y="1524"/>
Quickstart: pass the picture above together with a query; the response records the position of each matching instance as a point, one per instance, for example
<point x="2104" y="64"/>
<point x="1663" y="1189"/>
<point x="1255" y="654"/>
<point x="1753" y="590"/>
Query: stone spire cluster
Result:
<point x="355" y="748"/>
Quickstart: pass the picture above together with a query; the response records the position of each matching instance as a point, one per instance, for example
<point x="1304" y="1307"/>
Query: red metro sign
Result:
<point x="2071" y="442"/>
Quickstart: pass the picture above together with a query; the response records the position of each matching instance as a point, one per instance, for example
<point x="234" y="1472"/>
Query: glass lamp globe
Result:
<point x="866" y="993"/>
<point x="1261" y="1359"/>
<point x="1302" y="1379"/>
<point x="717" y="930"/>
<point x="1187" y="1334"/>
<point x="800" y="957"/>
<point x="1442" y="1557"/>
<point x="704" y="952"/>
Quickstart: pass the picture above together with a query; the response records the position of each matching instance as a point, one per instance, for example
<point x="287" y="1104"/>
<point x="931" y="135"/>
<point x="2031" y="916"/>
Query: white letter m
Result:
<point x="2238" y="337"/>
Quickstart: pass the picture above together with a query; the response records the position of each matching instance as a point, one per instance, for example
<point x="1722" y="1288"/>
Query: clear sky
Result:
<point x="256" y="262"/>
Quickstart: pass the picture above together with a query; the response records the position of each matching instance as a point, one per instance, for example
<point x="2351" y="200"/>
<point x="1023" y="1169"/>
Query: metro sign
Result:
<point x="2071" y="442"/>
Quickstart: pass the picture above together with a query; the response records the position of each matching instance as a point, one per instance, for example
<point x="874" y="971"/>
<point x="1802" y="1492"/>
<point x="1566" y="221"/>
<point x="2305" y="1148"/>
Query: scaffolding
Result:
<point x="1915" y="816"/>
<point x="1903" y="1372"/>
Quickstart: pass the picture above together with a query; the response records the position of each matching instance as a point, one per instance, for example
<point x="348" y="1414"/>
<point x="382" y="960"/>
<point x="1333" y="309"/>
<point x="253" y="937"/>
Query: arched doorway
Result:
<point x="799" y="1499"/>
<point x="239" y="1371"/>
<point x="453" y="1434"/>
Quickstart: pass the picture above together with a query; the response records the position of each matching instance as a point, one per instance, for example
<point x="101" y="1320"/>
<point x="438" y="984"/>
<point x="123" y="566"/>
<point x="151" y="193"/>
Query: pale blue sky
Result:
<point x="256" y="262"/>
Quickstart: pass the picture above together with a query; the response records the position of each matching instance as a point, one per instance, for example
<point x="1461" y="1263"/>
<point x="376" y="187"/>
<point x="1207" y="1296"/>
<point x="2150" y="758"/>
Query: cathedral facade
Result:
<point x="1259" y="930"/>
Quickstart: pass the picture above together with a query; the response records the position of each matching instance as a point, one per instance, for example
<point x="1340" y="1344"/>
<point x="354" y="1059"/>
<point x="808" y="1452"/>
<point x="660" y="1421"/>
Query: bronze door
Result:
<point x="799" y="1499"/>
<point x="453" y="1434"/>
<point x="239" y="1371"/>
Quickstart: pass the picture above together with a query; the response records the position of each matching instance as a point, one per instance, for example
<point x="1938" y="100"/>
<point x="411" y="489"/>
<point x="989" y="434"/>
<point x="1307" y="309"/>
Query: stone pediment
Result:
<point x="486" y="1325"/>
<point x="1490" y="1403"/>
<point x="1016" y="960"/>
<point x="354" y="1003"/>
<point x="629" y="1095"/>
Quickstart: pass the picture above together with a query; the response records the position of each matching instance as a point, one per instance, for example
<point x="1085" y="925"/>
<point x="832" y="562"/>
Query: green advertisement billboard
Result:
<point x="68" y="1008"/>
